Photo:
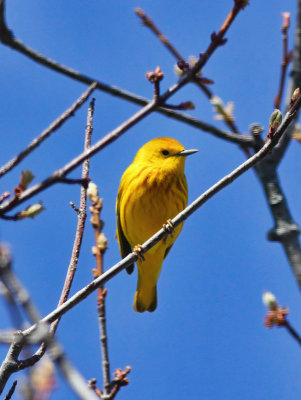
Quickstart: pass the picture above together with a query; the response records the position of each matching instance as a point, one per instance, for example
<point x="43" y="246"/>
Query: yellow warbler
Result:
<point x="152" y="190"/>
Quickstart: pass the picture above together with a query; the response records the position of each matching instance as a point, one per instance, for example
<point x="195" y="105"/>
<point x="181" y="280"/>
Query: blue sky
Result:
<point x="206" y="339"/>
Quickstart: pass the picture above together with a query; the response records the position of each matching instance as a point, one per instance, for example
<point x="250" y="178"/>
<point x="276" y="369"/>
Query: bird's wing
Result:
<point x="124" y="246"/>
<point x="167" y="250"/>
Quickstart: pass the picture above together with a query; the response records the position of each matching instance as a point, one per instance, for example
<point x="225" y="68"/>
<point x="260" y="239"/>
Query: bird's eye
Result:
<point x="165" y="152"/>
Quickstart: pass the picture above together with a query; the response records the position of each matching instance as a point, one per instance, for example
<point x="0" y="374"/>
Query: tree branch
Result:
<point x="81" y="217"/>
<point x="10" y="363"/>
<point x="295" y="82"/>
<point x="286" y="57"/>
<point x="145" y="20"/>
<point x="285" y="231"/>
<point x="11" y="391"/>
<point x="72" y="376"/>
<point x="98" y="251"/>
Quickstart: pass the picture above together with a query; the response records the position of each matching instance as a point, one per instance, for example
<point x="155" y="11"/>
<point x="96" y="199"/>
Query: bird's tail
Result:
<point x="146" y="295"/>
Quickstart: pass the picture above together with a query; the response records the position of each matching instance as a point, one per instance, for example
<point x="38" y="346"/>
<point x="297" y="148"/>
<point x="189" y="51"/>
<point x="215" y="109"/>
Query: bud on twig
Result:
<point x="256" y="129"/>
<point x="269" y="300"/>
<point x="155" y="76"/>
<point x="241" y="3"/>
<point x="181" y="67"/>
<point x="4" y="196"/>
<point x="275" y="121"/>
<point x="25" y="179"/>
<point x="276" y="315"/>
<point x="295" y="95"/>
<point x="92" y="192"/>
<point x="31" y="211"/>
<point x="286" y="16"/>
<point x="102" y="242"/>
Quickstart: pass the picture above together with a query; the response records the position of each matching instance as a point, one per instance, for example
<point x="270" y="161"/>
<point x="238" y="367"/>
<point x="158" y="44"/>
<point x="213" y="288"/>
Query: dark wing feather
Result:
<point x="124" y="246"/>
<point x="167" y="250"/>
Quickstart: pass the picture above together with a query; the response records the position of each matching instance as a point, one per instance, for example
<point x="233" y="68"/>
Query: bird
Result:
<point x="153" y="189"/>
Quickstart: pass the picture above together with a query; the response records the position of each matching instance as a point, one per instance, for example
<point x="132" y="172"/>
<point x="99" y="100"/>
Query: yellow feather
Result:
<point x="152" y="190"/>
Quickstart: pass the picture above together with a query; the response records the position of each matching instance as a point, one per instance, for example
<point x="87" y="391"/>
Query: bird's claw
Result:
<point x="137" y="250"/>
<point x="169" y="227"/>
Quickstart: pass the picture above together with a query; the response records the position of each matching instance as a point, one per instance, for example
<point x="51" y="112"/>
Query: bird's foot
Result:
<point x="137" y="250"/>
<point x="169" y="227"/>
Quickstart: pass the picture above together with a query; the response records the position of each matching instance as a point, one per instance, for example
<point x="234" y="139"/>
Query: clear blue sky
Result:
<point x="206" y="340"/>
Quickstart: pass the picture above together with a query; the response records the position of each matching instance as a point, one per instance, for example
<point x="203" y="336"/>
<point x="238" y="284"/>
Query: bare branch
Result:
<point x="82" y="215"/>
<point x="17" y="291"/>
<point x="145" y="20"/>
<point x="295" y="82"/>
<point x="292" y="332"/>
<point x="286" y="57"/>
<point x="72" y="376"/>
<point x="47" y="132"/>
<point x="164" y="40"/>
<point x="98" y="251"/>
<point x="10" y="363"/>
<point x="120" y="379"/>
<point x="11" y="391"/>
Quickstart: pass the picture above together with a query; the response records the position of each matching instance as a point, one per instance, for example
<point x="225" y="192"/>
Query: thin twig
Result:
<point x="92" y="384"/>
<point x="14" y="312"/>
<point x="292" y="331"/>
<point x="99" y="251"/>
<point x="120" y="379"/>
<point x="277" y="315"/>
<point x="11" y="391"/>
<point x="46" y="133"/>
<point x="20" y="294"/>
<point x="16" y="289"/>
<point x="295" y="82"/>
<point x="150" y="24"/>
<point x="131" y="258"/>
<point x="10" y="363"/>
<point x="72" y="376"/>
<point x="286" y="58"/>
<point x="209" y="94"/>
<point x="82" y="215"/>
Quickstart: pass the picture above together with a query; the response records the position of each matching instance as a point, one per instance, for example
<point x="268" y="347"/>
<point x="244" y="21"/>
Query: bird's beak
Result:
<point x="187" y="152"/>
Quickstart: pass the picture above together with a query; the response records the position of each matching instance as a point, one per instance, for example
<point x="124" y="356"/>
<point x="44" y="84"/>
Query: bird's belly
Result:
<point x="148" y="209"/>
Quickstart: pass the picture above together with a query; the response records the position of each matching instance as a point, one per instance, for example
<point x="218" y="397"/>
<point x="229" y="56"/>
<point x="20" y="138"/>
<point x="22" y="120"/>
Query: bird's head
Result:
<point x="165" y="153"/>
